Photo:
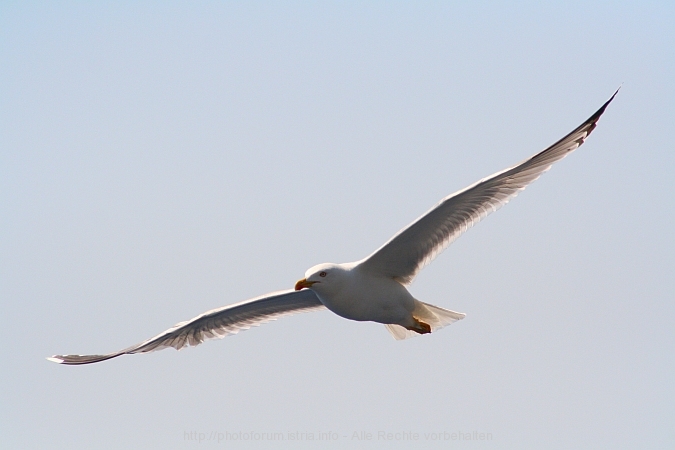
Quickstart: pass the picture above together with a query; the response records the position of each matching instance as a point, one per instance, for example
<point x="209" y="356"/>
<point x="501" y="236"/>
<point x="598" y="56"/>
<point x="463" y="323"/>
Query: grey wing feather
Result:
<point x="417" y="245"/>
<point x="215" y="324"/>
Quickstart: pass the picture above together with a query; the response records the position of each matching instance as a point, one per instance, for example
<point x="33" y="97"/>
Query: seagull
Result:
<point x="372" y="289"/>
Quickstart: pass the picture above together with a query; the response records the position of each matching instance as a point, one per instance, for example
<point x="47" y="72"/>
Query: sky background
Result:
<point x="160" y="159"/>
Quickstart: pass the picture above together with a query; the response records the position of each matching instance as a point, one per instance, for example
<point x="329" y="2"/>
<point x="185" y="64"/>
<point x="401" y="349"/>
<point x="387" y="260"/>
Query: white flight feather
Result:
<point x="415" y="246"/>
<point x="215" y="324"/>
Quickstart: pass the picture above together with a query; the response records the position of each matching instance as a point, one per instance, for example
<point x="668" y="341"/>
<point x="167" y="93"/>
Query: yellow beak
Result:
<point x="303" y="284"/>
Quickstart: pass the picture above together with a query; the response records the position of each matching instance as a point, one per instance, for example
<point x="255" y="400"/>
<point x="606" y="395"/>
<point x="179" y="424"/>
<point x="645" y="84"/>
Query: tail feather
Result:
<point x="398" y="332"/>
<point x="435" y="316"/>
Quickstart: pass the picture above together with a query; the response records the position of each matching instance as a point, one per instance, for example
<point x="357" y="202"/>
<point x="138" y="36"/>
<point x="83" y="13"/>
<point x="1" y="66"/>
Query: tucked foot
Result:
<point x="420" y="327"/>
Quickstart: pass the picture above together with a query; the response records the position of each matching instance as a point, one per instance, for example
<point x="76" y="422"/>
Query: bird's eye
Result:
<point x="322" y="274"/>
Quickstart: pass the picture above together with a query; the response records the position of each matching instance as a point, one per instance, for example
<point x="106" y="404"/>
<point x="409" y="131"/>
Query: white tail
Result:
<point x="435" y="316"/>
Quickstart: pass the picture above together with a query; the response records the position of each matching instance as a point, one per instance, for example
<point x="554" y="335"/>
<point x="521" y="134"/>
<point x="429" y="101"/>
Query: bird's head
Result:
<point x="320" y="277"/>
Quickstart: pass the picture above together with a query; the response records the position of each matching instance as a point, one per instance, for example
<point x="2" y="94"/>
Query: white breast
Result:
<point x="358" y="295"/>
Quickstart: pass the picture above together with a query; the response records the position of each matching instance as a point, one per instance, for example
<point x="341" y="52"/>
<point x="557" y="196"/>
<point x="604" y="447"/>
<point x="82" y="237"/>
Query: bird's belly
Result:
<point x="386" y="307"/>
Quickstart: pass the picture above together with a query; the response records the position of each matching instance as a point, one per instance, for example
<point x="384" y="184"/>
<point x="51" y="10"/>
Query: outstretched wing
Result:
<point x="216" y="323"/>
<point x="417" y="245"/>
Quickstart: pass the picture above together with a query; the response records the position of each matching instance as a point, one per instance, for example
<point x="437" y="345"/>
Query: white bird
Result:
<point x="373" y="289"/>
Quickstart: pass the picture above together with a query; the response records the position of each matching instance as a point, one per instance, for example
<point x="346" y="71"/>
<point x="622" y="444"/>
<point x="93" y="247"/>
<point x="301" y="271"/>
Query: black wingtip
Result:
<point x="612" y="97"/>
<point x="593" y="120"/>
<point x="76" y="360"/>
<point x="603" y="107"/>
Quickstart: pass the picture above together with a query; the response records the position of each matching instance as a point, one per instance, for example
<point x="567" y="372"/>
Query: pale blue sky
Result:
<point x="160" y="159"/>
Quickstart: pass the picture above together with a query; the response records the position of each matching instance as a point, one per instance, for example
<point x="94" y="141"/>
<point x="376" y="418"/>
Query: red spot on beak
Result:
<point x="303" y="284"/>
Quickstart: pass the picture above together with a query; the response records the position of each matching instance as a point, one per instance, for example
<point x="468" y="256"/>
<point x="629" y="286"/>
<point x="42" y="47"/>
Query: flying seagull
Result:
<point x="373" y="289"/>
